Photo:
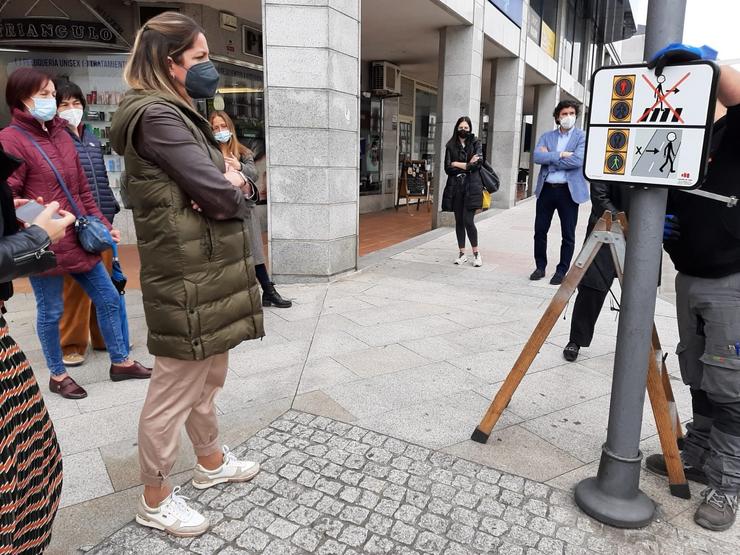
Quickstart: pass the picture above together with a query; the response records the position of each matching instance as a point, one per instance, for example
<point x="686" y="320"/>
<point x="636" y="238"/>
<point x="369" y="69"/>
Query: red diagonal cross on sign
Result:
<point x="662" y="97"/>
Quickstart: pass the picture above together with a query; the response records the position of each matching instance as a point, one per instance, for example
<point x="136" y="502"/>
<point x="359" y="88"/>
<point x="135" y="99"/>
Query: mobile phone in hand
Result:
<point x="30" y="211"/>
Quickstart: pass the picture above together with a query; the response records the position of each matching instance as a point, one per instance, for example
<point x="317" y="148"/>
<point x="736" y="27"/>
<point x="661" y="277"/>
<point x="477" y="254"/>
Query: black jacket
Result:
<point x="22" y="252"/>
<point x="606" y="196"/>
<point x="467" y="182"/>
<point x="709" y="245"/>
<point x="92" y="160"/>
<point x="615" y="198"/>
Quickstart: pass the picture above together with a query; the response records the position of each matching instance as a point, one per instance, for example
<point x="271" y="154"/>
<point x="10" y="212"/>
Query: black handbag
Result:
<point x="490" y="179"/>
<point x="92" y="234"/>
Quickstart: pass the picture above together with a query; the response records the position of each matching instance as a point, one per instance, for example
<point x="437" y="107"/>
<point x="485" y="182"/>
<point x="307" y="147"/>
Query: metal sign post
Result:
<point x="613" y="496"/>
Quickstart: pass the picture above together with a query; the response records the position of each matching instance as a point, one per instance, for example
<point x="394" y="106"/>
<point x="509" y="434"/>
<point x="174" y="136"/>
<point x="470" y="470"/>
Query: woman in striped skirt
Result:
<point x="30" y="461"/>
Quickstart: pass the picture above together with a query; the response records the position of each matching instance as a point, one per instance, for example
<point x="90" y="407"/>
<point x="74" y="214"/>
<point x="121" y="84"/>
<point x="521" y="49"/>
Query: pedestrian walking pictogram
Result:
<point x="669" y="152"/>
<point x="620" y="111"/>
<point x="618" y="139"/>
<point x="661" y="98"/>
<point x="650" y="129"/>
<point x="655" y="152"/>
<point x="623" y="86"/>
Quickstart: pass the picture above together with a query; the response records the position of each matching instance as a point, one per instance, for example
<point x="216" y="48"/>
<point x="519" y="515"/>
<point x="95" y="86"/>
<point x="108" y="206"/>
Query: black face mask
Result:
<point x="201" y="80"/>
<point x="463" y="133"/>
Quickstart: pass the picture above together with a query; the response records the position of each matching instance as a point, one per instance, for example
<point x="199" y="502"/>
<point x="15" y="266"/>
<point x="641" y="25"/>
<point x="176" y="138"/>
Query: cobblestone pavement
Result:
<point x="331" y="488"/>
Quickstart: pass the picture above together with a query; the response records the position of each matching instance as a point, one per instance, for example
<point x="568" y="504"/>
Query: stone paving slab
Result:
<point x="328" y="487"/>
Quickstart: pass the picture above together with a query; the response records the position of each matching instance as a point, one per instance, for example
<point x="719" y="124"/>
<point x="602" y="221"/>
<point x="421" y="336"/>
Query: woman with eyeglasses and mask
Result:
<point x="240" y="158"/>
<point x="199" y="288"/>
<point x="463" y="193"/>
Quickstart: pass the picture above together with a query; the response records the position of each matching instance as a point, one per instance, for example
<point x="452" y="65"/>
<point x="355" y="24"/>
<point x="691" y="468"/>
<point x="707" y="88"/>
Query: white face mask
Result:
<point x="73" y="116"/>
<point x="567" y="122"/>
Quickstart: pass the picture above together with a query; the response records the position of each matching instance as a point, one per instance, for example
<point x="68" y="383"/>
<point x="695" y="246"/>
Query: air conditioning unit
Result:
<point x="385" y="79"/>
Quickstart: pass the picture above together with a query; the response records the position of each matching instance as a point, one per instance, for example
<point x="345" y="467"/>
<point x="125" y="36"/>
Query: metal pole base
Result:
<point x="613" y="496"/>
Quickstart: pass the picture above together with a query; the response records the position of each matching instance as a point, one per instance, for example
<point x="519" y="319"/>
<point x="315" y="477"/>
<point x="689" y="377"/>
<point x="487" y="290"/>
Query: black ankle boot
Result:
<point x="270" y="297"/>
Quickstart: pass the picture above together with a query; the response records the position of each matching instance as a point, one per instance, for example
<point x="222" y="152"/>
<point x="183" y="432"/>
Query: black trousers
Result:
<point x="553" y="199"/>
<point x="586" y="311"/>
<point x="464" y="222"/>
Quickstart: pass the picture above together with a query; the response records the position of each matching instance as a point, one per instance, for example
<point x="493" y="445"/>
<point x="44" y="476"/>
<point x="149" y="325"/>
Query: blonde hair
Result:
<point x="165" y="36"/>
<point x="233" y="146"/>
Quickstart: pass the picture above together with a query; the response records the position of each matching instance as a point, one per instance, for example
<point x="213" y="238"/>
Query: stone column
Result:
<point x="312" y="86"/>
<point x="546" y="97"/>
<point x="460" y="69"/>
<point x="507" y="96"/>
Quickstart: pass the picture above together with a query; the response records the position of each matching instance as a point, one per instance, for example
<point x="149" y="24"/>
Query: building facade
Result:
<point x="347" y="104"/>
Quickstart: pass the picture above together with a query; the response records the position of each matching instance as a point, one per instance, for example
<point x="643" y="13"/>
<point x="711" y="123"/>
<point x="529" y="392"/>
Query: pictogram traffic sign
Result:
<point x="648" y="129"/>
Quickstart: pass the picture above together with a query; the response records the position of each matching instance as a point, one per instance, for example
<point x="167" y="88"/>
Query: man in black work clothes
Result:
<point x="703" y="239"/>
<point x="598" y="278"/>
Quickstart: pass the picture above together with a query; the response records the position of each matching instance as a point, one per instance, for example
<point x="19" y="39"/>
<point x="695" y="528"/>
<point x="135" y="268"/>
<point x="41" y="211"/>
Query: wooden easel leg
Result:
<point x="668" y="391"/>
<point x="538" y="337"/>
<point x="664" y="422"/>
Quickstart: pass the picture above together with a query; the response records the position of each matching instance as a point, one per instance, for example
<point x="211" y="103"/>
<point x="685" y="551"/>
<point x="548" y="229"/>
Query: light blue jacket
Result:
<point x="572" y="166"/>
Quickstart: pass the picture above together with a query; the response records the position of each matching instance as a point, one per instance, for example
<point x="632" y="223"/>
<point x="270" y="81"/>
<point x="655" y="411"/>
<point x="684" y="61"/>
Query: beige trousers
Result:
<point x="180" y="392"/>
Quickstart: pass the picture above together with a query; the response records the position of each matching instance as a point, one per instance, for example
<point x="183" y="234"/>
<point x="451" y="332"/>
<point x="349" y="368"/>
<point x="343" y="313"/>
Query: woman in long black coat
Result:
<point x="30" y="460"/>
<point x="463" y="193"/>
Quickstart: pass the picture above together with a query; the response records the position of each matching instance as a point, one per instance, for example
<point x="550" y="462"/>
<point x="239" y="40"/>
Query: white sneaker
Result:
<point x="478" y="261"/>
<point x="173" y="516"/>
<point x="462" y="259"/>
<point x="232" y="470"/>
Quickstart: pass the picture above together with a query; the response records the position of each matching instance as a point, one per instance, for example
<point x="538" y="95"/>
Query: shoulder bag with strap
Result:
<point x="92" y="234"/>
<point x="489" y="178"/>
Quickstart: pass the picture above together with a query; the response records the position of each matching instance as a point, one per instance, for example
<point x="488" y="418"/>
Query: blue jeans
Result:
<point x="50" y="307"/>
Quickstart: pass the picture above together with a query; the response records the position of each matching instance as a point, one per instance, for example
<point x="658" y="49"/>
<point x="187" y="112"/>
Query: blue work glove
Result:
<point x="671" y="228"/>
<point x="677" y="53"/>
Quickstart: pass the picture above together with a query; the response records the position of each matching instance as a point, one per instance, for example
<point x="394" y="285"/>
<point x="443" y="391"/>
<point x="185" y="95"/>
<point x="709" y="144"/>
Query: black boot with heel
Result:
<point x="270" y="297"/>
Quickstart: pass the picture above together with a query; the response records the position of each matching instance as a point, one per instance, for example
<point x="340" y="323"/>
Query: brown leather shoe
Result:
<point x="136" y="371"/>
<point x="67" y="388"/>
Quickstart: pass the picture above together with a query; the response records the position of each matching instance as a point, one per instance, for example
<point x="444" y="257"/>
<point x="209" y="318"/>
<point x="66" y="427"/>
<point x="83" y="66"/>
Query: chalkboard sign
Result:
<point x="415" y="175"/>
<point x="414" y="182"/>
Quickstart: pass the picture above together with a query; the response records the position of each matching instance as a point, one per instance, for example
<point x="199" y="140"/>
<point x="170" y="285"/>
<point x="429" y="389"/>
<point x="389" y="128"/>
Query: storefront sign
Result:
<point x="33" y="29"/>
<point x="511" y="9"/>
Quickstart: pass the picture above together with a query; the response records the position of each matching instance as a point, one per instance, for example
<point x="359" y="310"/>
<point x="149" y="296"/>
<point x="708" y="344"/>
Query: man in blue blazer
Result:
<point x="560" y="186"/>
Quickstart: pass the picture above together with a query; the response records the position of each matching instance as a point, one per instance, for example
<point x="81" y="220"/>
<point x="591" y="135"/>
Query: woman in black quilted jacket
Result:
<point x="79" y="324"/>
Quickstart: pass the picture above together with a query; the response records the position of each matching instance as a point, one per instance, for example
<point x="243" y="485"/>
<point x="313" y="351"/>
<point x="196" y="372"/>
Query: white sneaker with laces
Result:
<point x="478" y="262"/>
<point x="462" y="259"/>
<point x="173" y="516"/>
<point x="232" y="470"/>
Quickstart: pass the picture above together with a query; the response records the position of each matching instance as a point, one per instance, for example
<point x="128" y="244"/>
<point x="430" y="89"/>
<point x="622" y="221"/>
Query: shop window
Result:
<point x="425" y="126"/>
<point x="542" y="28"/>
<point x="371" y="145"/>
<point x="241" y="95"/>
<point x="99" y="77"/>
<point x="574" y="51"/>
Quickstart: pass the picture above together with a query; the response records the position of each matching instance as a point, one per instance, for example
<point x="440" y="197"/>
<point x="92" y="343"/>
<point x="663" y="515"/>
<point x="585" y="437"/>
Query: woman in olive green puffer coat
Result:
<point x="200" y="293"/>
